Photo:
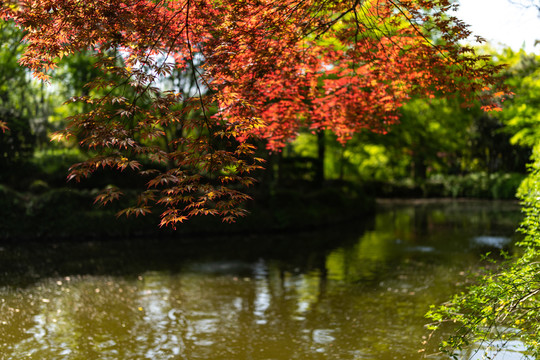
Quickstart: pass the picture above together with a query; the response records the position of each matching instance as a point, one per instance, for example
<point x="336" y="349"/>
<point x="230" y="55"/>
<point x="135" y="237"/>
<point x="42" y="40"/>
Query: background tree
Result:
<point x="23" y="105"/>
<point x="434" y="139"/>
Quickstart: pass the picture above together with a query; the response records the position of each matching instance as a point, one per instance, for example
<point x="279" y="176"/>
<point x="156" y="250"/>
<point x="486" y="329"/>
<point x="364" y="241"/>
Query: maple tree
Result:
<point x="258" y="69"/>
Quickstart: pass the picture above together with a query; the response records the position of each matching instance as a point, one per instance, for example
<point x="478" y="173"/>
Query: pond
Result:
<point x="354" y="291"/>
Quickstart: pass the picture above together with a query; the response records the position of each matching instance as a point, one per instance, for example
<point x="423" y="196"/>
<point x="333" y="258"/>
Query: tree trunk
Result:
<point x="321" y="151"/>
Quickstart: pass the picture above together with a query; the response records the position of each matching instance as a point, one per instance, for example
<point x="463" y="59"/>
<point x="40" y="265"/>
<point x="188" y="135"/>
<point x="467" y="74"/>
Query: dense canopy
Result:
<point x="246" y="71"/>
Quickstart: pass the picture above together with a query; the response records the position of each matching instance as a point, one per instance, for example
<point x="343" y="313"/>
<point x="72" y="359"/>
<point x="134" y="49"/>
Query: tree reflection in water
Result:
<point x="346" y="293"/>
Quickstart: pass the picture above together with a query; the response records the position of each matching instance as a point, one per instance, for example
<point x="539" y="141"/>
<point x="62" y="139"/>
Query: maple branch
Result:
<point x="149" y="54"/>
<point x="195" y="71"/>
<point x="419" y="32"/>
<point x="327" y="26"/>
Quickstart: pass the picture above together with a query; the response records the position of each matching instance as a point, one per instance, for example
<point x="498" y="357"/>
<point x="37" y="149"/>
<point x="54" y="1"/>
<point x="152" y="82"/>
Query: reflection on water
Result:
<point x="355" y="292"/>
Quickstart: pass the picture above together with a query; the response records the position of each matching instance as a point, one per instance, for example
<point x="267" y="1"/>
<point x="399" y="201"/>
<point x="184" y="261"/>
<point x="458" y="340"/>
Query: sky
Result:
<point x="501" y="22"/>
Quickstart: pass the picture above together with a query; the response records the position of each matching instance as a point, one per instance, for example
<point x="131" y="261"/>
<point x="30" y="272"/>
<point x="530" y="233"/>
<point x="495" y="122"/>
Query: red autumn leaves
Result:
<point x="256" y="69"/>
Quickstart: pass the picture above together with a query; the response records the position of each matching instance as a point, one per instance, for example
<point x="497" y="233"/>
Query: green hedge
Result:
<point x="479" y="185"/>
<point x="475" y="185"/>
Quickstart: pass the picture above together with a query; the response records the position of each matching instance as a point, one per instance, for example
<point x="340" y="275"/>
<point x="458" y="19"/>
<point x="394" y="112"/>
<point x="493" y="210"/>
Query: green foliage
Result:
<point x="477" y="185"/>
<point x="436" y="141"/>
<point x="503" y="308"/>
<point x="480" y="185"/>
<point x="504" y="305"/>
<point x="16" y="101"/>
<point x="521" y="113"/>
<point x="15" y="86"/>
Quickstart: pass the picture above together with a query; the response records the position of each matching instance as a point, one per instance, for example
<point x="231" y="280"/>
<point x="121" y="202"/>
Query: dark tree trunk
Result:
<point x="321" y="151"/>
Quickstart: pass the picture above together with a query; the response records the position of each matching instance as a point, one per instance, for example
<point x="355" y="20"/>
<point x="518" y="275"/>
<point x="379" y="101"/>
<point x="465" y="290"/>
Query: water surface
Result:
<point x="356" y="291"/>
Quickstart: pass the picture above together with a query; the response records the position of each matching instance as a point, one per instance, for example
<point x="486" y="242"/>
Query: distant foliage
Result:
<point x="479" y="185"/>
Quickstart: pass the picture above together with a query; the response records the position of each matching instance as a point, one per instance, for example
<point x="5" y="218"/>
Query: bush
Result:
<point x="504" y="305"/>
<point x="475" y="185"/>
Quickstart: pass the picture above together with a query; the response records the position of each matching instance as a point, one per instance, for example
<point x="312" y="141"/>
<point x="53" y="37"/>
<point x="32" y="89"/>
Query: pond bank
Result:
<point x="70" y="213"/>
<point x="67" y="213"/>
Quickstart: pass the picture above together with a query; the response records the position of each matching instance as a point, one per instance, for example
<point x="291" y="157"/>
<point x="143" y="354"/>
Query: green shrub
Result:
<point x="474" y="185"/>
<point x="503" y="307"/>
